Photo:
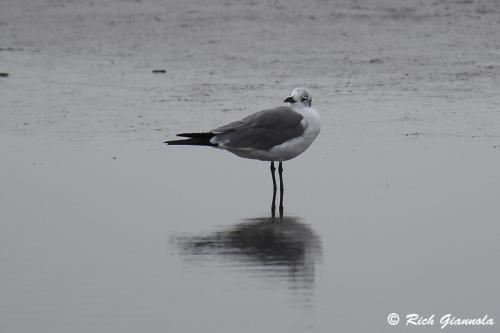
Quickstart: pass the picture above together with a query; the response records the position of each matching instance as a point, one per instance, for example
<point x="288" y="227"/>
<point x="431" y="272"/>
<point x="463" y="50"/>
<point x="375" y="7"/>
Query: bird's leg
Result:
<point x="282" y="189"/>
<point x="273" y="205"/>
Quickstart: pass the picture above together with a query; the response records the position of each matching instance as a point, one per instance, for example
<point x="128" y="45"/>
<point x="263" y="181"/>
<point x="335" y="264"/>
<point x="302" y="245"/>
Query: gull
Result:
<point x="276" y="135"/>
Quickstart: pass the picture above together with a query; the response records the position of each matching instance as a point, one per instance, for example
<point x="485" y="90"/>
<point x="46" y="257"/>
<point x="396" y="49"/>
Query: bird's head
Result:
<point x="299" y="96"/>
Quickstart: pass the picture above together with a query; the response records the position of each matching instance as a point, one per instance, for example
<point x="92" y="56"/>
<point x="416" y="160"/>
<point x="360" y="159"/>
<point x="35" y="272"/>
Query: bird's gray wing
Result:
<point x="262" y="130"/>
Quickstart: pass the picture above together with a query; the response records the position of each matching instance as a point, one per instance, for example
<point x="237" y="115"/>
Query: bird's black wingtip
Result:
<point x="194" y="139"/>
<point x="190" y="142"/>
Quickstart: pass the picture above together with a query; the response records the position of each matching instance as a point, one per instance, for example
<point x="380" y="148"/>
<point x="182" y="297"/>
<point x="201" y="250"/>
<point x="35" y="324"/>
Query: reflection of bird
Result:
<point x="277" y="134"/>
<point x="276" y="249"/>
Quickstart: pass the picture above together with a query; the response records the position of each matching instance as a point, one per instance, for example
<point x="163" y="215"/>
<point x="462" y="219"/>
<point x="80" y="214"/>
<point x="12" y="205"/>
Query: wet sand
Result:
<point x="392" y="209"/>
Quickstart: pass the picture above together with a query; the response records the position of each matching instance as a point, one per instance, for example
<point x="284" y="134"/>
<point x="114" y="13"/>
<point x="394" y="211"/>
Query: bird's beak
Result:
<point x="289" y="100"/>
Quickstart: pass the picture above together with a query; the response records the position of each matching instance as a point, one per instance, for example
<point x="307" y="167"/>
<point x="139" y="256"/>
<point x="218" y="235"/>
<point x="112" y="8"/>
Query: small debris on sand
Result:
<point x="4" y="74"/>
<point x="159" y="71"/>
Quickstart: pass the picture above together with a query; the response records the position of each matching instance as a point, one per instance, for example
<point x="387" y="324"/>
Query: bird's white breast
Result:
<point x="296" y="146"/>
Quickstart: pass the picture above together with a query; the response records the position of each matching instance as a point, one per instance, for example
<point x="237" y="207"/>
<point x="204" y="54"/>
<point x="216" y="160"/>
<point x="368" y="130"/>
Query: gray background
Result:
<point x="394" y="208"/>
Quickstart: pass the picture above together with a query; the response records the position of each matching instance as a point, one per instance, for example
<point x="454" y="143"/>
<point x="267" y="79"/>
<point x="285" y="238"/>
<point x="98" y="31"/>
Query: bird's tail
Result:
<point x="194" y="139"/>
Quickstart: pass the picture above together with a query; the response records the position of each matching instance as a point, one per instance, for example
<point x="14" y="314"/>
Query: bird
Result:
<point x="274" y="135"/>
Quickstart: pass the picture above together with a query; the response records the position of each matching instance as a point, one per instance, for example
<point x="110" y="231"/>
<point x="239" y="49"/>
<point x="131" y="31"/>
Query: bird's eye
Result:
<point x="304" y="98"/>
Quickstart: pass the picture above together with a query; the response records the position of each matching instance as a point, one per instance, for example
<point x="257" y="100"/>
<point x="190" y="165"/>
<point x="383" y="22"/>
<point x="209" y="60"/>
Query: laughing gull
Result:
<point x="274" y="135"/>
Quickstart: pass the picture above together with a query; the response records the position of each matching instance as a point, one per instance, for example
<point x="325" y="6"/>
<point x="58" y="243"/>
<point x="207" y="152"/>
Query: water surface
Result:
<point x="138" y="237"/>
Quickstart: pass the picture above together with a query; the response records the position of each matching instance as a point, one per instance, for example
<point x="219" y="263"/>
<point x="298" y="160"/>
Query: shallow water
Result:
<point x="394" y="208"/>
<point x="142" y="237"/>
